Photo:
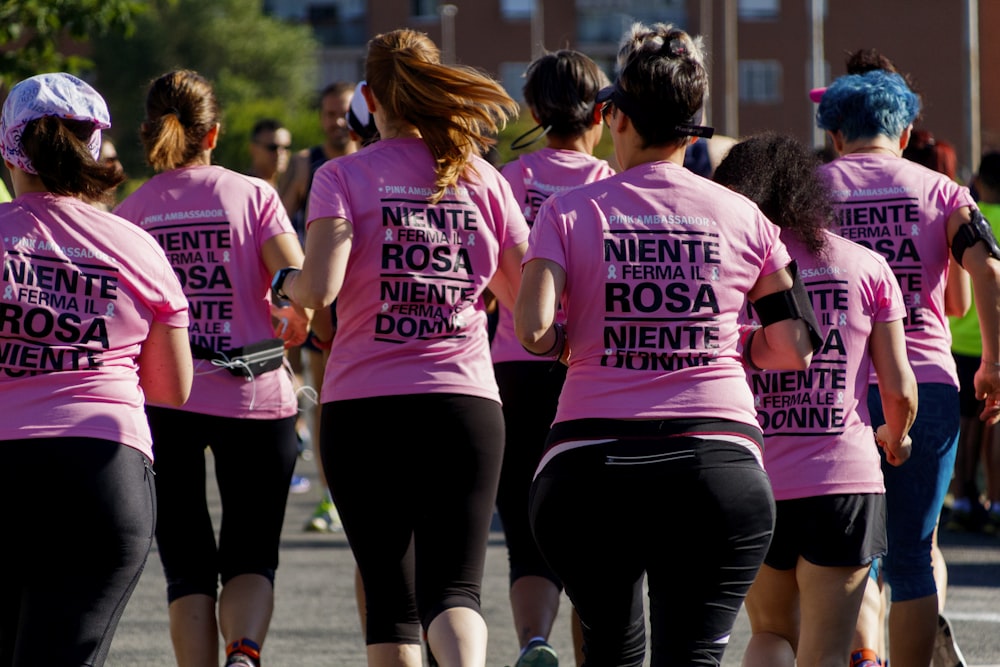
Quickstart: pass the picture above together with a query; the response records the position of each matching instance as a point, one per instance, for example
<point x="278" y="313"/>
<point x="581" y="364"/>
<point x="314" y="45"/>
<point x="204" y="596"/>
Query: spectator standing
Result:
<point x="270" y="143"/>
<point x="308" y="359"/>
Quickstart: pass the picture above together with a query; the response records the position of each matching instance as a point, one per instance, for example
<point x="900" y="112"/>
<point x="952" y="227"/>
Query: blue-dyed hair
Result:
<point x="862" y="106"/>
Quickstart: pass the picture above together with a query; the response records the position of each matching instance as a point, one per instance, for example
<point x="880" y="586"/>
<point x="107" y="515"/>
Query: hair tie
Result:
<point x="527" y="138"/>
<point x="678" y="48"/>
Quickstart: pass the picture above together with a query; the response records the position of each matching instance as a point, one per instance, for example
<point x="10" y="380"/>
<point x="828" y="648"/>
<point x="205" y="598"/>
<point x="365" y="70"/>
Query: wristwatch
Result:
<point x="278" y="282"/>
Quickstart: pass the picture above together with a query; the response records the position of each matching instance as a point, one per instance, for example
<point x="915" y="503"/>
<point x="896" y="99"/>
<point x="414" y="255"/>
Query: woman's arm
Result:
<point x="957" y="291"/>
<point x="782" y="345"/>
<point x="542" y="283"/>
<point x="897" y="387"/>
<point x="507" y="280"/>
<point x="328" y="247"/>
<point x="165" y="367"/>
<point x="292" y="320"/>
<point x="985" y="272"/>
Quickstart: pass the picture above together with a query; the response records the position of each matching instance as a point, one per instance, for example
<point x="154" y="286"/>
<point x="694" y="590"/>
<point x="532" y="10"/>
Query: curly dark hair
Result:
<point x="779" y="174"/>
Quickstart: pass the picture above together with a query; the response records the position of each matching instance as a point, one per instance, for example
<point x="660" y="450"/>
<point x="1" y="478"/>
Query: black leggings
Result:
<point x="692" y="516"/>
<point x="77" y="518"/>
<point x="530" y="393"/>
<point x="414" y="478"/>
<point x="254" y="460"/>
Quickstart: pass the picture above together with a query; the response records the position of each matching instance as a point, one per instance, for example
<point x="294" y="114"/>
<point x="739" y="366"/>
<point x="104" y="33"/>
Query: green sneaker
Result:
<point x="325" y="519"/>
<point x="537" y="653"/>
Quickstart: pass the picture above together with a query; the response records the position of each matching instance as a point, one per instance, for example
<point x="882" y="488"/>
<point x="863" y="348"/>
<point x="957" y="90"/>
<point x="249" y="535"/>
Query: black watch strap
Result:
<point x="278" y="282"/>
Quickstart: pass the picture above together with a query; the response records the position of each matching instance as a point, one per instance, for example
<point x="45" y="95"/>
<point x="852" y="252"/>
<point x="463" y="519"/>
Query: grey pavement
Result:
<point x="316" y="622"/>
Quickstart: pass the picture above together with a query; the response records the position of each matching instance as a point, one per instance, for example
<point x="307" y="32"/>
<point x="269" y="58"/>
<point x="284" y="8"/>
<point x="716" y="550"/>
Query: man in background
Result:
<point x="335" y="104"/>
<point x="270" y="144"/>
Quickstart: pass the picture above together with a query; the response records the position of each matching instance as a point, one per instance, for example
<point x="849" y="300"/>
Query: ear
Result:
<point x="838" y="141"/>
<point x="369" y="98"/>
<point x="212" y="138"/>
<point x="904" y="138"/>
<point x="598" y="119"/>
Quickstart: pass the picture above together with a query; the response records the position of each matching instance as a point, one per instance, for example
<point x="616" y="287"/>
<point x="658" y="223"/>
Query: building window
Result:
<point x="424" y="8"/>
<point x="339" y="23"/>
<point x="755" y="10"/>
<point x="760" y="81"/>
<point x="517" y="9"/>
<point x="606" y="20"/>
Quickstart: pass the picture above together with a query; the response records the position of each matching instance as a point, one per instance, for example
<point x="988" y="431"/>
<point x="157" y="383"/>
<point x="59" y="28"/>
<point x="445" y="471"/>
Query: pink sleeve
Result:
<point x="777" y="256"/>
<point x="515" y="229"/>
<point x="273" y="219"/>
<point x="547" y="234"/>
<point x="327" y="197"/>
<point x="513" y="173"/>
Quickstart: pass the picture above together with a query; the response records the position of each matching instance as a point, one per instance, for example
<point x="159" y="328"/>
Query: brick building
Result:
<point x="761" y="51"/>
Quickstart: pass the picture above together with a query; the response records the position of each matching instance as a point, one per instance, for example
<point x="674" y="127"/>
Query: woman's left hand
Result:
<point x="291" y="323"/>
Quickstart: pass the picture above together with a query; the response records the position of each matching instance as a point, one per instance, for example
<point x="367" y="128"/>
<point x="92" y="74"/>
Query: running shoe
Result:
<point x="325" y="519"/>
<point x="537" y="653"/>
<point x="299" y="484"/>
<point x="865" y="658"/>
<point x="946" y="651"/>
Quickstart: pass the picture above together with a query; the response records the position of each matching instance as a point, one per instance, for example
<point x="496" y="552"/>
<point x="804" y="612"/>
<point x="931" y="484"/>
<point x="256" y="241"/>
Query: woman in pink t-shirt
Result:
<point x="225" y="235"/>
<point x="406" y="234"/>
<point x="818" y="453"/>
<point x="917" y="219"/>
<point x="559" y="89"/>
<point x="94" y="323"/>
<point x="655" y="438"/>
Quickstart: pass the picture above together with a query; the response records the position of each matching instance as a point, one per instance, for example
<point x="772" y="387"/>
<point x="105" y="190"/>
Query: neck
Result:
<point x="875" y="149"/>
<point x="582" y="143"/>
<point x="879" y="144"/>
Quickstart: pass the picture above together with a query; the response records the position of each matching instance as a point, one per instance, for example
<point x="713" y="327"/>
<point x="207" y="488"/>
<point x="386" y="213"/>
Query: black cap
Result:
<point x="633" y="108"/>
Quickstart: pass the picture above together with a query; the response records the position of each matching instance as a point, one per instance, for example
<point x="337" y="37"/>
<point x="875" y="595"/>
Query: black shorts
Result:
<point x="841" y="530"/>
<point x="968" y="404"/>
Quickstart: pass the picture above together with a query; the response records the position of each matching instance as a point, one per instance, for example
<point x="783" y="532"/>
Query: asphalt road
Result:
<point x="316" y="623"/>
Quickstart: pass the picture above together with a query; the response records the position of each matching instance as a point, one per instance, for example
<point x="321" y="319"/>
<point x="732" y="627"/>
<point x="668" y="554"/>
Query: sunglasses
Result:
<point x="274" y="148"/>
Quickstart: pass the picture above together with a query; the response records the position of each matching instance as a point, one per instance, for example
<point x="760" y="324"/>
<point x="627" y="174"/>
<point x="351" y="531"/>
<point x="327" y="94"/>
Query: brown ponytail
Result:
<point x="457" y="110"/>
<point x="60" y="153"/>
<point x="181" y="109"/>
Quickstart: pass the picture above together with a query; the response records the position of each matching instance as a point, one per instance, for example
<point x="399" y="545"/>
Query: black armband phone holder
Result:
<point x="790" y="304"/>
<point x="972" y="232"/>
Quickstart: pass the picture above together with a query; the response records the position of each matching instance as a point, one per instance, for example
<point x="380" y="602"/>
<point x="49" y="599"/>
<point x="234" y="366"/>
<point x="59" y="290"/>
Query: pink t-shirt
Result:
<point x="658" y="263"/>
<point x="533" y="177"/>
<point x="900" y="209"/>
<point x="212" y="223"/>
<point x="81" y="289"/>
<point x="410" y="315"/>
<point x="817" y="430"/>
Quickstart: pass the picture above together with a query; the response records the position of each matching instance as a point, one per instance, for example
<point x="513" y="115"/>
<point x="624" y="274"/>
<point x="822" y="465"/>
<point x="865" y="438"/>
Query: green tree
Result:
<point x="39" y="36"/>
<point x="258" y="65"/>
